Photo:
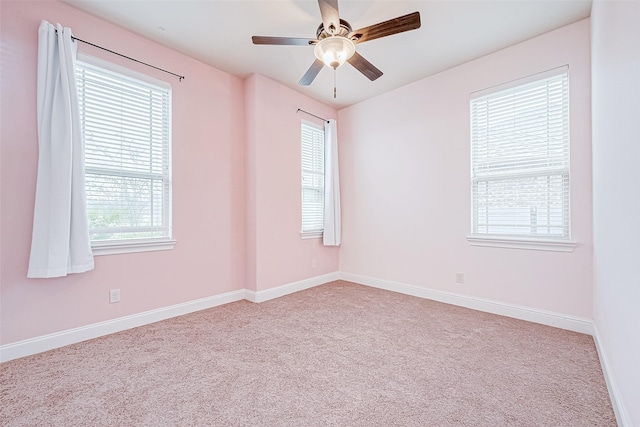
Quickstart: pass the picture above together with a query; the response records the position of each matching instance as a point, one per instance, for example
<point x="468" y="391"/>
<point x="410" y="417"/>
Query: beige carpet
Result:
<point x="335" y="355"/>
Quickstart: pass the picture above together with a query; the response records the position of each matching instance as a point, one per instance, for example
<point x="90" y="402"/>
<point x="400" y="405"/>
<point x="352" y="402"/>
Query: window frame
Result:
<point x="311" y="233"/>
<point x="522" y="241"/>
<point x="132" y="245"/>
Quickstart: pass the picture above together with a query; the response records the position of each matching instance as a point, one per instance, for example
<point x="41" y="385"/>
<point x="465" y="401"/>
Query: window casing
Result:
<point x="312" y="161"/>
<point x="126" y="125"/>
<point x="520" y="161"/>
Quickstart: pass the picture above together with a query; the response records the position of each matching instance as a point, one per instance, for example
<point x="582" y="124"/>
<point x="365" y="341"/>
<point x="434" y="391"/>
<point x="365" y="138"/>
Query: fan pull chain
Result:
<point x="334" y="83"/>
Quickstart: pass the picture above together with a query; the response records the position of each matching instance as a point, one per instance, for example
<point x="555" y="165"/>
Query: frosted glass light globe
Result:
<point x="334" y="51"/>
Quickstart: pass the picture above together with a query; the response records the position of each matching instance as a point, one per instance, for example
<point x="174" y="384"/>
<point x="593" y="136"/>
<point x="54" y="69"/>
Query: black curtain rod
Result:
<point x="128" y="57"/>
<point x="125" y="56"/>
<point x="317" y="117"/>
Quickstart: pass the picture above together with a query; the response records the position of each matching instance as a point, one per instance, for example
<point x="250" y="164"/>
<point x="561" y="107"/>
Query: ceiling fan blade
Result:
<point x="330" y="15"/>
<point x="364" y="66"/>
<point x="387" y="28"/>
<point x="311" y="73"/>
<point x="283" y="41"/>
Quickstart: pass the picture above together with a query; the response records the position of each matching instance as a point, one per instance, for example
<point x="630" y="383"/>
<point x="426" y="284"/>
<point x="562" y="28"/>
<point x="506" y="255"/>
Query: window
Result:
<point x="520" y="161"/>
<point x="126" y="123"/>
<point x="312" y="180"/>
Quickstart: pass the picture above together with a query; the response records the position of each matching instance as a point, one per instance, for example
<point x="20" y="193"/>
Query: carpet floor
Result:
<point x="340" y="354"/>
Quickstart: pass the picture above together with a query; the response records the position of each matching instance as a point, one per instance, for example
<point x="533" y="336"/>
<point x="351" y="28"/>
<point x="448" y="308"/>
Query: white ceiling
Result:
<point x="219" y="33"/>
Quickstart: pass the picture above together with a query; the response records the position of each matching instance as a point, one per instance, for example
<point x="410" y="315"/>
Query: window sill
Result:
<point x="311" y="234"/>
<point x="121" y="247"/>
<point x="515" y="243"/>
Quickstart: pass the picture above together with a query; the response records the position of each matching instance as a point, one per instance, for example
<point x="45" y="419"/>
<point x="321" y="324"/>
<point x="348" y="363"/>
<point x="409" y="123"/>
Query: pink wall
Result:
<point x="236" y="194"/>
<point x="276" y="255"/>
<point x="616" y="151"/>
<point x="236" y="170"/>
<point x="208" y="193"/>
<point x="406" y="186"/>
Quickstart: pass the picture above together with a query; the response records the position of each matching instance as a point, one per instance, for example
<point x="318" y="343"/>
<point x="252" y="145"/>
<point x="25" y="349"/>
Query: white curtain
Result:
<point x="332" y="224"/>
<point x="60" y="241"/>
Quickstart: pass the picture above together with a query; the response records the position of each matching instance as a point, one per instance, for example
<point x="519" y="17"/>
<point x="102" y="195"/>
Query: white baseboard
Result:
<point x="290" y="288"/>
<point x="557" y="320"/>
<point x="619" y="409"/>
<point x="83" y="333"/>
<point x="72" y="336"/>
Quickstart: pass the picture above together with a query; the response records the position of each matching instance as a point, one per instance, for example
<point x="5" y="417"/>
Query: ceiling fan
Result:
<point x="335" y="41"/>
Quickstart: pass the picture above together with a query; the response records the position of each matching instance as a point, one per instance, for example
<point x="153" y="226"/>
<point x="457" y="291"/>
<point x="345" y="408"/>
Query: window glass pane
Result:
<point x="520" y="160"/>
<point x="127" y="136"/>
<point x="312" y="160"/>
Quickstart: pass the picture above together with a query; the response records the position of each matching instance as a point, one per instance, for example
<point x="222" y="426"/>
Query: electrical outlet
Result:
<point x="114" y="295"/>
<point x="459" y="277"/>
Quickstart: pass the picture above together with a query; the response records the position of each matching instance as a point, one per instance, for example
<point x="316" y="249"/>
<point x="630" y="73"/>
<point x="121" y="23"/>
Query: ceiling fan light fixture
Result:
<point x="334" y="51"/>
<point x="335" y="41"/>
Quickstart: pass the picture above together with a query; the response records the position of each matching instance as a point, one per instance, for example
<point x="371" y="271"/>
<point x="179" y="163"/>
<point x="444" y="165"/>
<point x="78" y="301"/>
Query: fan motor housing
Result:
<point x="344" y="30"/>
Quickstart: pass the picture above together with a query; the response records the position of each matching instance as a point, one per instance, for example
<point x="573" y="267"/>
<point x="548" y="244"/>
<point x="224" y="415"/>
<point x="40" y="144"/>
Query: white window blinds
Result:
<point x="520" y="160"/>
<point x="312" y="178"/>
<point x="127" y="134"/>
